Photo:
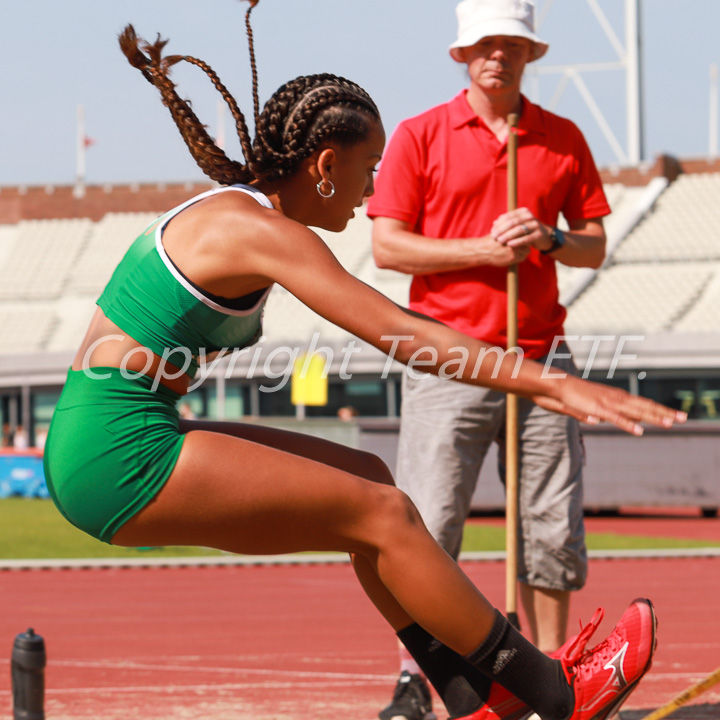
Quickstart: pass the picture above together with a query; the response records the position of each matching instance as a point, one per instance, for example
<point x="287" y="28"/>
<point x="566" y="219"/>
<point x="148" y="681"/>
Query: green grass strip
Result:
<point x="32" y="529"/>
<point x="480" y="537"/>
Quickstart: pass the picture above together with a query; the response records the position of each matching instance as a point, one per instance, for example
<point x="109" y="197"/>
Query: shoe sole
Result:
<point x="608" y="713"/>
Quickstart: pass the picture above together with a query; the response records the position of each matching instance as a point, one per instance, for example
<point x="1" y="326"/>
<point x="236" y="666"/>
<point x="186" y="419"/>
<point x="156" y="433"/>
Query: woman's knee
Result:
<point x="394" y="516"/>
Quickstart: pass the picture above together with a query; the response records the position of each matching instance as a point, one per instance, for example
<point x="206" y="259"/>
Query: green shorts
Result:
<point x="112" y="445"/>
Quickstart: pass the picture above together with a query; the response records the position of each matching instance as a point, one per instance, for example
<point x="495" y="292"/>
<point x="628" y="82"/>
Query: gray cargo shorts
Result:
<point x="445" y="432"/>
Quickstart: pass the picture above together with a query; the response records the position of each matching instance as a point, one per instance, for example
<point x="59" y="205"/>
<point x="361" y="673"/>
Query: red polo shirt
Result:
<point x="445" y="173"/>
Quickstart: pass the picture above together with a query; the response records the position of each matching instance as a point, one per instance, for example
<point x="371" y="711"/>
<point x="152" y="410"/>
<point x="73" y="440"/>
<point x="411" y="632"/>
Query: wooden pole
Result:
<point x="511" y="424"/>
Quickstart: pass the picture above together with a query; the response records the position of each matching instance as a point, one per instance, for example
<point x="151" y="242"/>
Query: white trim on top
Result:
<point x="257" y="195"/>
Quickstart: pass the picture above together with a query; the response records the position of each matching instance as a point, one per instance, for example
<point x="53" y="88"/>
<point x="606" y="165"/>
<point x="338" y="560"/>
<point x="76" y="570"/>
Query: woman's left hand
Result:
<point x="594" y="403"/>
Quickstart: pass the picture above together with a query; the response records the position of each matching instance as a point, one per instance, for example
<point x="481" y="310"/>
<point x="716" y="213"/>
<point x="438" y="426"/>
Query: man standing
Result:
<point x="439" y="213"/>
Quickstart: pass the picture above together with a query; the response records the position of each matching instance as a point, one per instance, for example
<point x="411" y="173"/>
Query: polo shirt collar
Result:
<point x="531" y="119"/>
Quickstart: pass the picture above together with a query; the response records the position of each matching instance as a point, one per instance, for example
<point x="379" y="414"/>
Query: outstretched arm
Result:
<point x="299" y="261"/>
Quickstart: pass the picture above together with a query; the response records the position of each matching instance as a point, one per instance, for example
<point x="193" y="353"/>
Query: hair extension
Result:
<point x="253" y="65"/>
<point x="212" y="160"/>
<point x="298" y="118"/>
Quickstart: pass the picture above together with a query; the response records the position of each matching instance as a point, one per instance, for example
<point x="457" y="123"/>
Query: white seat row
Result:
<point x="26" y="327"/>
<point x="639" y="298"/>
<point x="684" y="224"/>
<point x="69" y="261"/>
<point x="108" y="241"/>
<point x="38" y="264"/>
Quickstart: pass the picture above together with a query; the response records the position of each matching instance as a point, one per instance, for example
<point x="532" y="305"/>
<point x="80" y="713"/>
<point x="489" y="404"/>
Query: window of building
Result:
<point x="203" y="402"/>
<point x="43" y="407"/>
<point x="698" y="397"/>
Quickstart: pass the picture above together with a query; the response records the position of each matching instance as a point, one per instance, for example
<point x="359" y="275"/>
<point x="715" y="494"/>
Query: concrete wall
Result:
<point x="679" y="467"/>
<point x="63" y="201"/>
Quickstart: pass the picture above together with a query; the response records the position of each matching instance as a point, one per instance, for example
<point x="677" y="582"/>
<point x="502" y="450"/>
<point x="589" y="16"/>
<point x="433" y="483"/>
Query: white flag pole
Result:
<point x="80" y="153"/>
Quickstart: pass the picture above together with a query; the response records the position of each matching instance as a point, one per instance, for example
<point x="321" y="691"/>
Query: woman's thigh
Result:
<point x="357" y="462"/>
<point x="268" y="492"/>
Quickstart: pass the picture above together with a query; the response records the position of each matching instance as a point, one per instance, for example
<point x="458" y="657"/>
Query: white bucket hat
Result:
<point x="478" y="19"/>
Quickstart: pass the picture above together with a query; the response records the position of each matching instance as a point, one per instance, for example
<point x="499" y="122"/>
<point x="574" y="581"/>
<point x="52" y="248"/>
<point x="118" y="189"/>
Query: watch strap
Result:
<point x="558" y="240"/>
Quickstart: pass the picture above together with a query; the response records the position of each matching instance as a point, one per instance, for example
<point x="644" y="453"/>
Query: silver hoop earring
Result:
<point x="321" y="193"/>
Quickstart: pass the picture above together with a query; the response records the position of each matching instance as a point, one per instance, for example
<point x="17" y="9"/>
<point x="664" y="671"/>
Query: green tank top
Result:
<point x="148" y="298"/>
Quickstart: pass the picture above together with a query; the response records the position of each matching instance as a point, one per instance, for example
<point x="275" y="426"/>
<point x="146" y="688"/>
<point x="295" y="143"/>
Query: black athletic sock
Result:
<point x="538" y="680"/>
<point x="461" y="686"/>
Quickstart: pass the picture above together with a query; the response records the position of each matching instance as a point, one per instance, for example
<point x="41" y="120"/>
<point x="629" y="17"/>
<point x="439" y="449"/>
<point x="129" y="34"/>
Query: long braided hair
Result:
<point x="300" y="115"/>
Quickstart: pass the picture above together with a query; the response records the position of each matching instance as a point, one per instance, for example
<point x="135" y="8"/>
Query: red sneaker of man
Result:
<point x="602" y="678"/>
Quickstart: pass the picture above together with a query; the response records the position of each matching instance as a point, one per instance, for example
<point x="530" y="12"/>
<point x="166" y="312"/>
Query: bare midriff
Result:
<point x="106" y="345"/>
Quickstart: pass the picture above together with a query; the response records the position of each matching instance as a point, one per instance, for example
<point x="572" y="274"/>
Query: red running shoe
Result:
<point x="575" y="646"/>
<point x="503" y="705"/>
<point x="602" y="678"/>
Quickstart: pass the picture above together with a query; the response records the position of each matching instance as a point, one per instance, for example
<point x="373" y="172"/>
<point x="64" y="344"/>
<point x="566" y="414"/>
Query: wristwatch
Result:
<point x="558" y="240"/>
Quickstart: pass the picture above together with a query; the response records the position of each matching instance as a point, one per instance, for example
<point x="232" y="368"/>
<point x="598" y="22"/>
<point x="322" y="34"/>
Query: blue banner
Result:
<point x="21" y="474"/>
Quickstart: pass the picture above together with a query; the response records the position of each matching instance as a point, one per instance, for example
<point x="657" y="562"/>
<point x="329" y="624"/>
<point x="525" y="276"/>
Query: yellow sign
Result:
<point x="309" y="381"/>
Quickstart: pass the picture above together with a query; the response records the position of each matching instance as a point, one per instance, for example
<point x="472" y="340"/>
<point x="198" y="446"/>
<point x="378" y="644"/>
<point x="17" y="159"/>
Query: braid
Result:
<point x="298" y="118"/>
<point x="211" y="159"/>
<point x="240" y="125"/>
<point x="304" y="113"/>
<point x="253" y="66"/>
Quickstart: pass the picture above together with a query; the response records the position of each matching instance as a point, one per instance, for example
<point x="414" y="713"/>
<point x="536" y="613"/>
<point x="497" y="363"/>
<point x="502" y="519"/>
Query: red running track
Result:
<point x="297" y="642"/>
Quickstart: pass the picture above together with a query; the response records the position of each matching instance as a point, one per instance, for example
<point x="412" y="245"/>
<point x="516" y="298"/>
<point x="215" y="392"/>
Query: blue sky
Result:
<point x="56" y="54"/>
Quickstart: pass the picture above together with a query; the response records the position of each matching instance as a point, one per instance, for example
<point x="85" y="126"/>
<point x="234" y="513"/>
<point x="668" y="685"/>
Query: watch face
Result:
<point x="558" y="240"/>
